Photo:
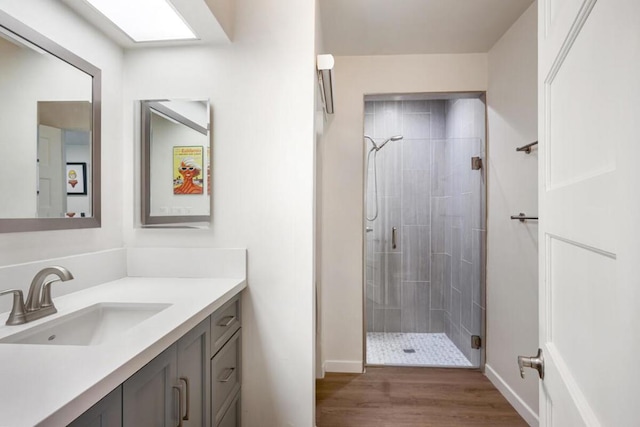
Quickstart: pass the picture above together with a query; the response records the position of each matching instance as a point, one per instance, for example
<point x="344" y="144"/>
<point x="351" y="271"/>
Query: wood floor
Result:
<point x="407" y="397"/>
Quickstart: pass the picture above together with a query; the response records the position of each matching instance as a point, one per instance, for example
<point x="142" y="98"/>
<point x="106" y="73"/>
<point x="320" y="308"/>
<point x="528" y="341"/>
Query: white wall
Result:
<point x="341" y="257"/>
<point x="320" y="121"/>
<point x="261" y="90"/>
<point x="56" y="22"/>
<point x="512" y="247"/>
<point x="224" y="11"/>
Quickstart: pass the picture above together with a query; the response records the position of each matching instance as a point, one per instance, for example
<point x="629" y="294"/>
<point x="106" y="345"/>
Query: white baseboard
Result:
<point x="519" y="405"/>
<point x="343" y="366"/>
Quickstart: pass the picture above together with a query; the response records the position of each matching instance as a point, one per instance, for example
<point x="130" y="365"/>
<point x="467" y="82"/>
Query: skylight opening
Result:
<point x="145" y="20"/>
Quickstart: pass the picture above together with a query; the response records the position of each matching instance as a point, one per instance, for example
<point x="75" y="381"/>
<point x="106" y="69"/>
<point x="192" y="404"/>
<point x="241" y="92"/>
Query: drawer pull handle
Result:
<point x="230" y="372"/>
<point x="175" y="387"/>
<point x="186" y="395"/>
<point x="226" y="321"/>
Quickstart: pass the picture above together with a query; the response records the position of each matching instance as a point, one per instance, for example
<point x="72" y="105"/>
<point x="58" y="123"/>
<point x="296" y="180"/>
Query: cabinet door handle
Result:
<point x="228" y="376"/>
<point x="186" y="395"/>
<point x="394" y="230"/>
<point x="175" y="387"/>
<point x="226" y="321"/>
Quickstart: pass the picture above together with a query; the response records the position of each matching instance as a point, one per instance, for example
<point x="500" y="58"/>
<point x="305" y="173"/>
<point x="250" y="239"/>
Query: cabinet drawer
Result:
<point x="225" y="377"/>
<point x="224" y="323"/>
<point x="231" y="418"/>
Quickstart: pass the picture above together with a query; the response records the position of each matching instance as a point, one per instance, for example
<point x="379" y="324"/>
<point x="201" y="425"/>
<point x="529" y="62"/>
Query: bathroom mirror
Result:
<point x="176" y="162"/>
<point x="49" y="133"/>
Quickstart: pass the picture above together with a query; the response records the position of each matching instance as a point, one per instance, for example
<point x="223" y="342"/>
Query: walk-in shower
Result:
<point x="425" y="230"/>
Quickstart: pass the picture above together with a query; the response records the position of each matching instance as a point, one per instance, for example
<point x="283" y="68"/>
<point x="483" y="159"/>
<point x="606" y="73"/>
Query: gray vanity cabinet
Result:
<point x="106" y="413"/>
<point x="225" y="373"/>
<point x="226" y="342"/>
<point x="172" y="387"/>
<point x="150" y="396"/>
<point x="231" y="418"/>
<point x="193" y="375"/>
<point x="224" y="323"/>
<point x="193" y="383"/>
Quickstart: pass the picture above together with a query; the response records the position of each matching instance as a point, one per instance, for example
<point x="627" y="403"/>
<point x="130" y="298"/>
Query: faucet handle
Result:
<point x="17" y="315"/>
<point x="45" y="298"/>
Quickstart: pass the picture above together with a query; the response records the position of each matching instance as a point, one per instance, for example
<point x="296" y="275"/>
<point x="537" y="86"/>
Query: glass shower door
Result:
<point x="424" y="274"/>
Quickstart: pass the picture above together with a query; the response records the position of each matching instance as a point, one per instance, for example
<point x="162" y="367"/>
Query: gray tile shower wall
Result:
<point x="433" y="280"/>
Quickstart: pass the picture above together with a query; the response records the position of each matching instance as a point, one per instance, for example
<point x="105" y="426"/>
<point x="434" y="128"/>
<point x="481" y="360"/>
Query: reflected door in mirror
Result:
<point x="51" y="197"/>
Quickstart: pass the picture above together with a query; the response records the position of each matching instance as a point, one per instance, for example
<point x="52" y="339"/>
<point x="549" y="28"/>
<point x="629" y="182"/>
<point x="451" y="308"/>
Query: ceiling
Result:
<point x="401" y="27"/>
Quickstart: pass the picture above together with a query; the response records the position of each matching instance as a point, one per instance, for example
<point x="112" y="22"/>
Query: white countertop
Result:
<point x="53" y="384"/>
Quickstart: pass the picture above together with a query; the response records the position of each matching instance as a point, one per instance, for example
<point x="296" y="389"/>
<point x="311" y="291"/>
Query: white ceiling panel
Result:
<point x="402" y="27"/>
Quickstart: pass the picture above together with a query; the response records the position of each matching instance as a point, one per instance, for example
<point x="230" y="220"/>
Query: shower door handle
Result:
<point x="394" y="231"/>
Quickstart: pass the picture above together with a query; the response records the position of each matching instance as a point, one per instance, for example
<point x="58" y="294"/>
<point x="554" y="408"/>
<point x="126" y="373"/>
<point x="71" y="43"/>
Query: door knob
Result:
<point x="536" y="363"/>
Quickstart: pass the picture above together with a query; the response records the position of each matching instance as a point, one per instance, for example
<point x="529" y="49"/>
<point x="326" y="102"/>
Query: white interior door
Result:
<point x="52" y="191"/>
<point x="589" y="105"/>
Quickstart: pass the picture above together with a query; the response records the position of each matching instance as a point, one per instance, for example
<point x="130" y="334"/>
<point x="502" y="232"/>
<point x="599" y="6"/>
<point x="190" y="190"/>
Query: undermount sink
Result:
<point x="92" y="325"/>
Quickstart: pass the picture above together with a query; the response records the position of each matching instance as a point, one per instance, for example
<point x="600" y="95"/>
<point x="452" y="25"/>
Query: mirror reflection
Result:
<point x="47" y="120"/>
<point x="176" y="161"/>
<point x="64" y="159"/>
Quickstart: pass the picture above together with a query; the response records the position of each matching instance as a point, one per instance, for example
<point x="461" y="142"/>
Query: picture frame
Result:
<point x="76" y="179"/>
<point x="188" y="170"/>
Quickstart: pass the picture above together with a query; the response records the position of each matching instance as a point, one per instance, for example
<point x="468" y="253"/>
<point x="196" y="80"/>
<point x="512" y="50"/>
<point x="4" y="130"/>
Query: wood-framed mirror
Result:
<point x="50" y="127"/>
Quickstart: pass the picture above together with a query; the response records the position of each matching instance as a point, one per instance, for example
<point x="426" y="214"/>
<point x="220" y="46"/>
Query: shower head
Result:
<point x="393" y="138"/>
<point x="378" y="147"/>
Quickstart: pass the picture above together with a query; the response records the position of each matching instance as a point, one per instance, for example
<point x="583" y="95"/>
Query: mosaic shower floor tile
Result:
<point x="395" y="348"/>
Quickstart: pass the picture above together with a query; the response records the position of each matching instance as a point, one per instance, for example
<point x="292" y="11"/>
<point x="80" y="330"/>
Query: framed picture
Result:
<point x="187" y="170"/>
<point x="76" y="179"/>
<point x="209" y="171"/>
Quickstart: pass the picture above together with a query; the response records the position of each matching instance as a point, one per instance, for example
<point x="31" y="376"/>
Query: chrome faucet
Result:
<point x="39" y="302"/>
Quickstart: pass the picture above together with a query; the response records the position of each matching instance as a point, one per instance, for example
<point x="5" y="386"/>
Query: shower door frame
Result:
<point x="482" y="95"/>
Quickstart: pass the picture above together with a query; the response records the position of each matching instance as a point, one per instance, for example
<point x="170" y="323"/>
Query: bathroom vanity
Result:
<point x="199" y="372"/>
<point x="178" y="366"/>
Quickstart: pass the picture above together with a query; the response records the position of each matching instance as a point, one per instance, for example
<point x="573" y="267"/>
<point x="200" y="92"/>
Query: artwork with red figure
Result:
<point x="187" y="170"/>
